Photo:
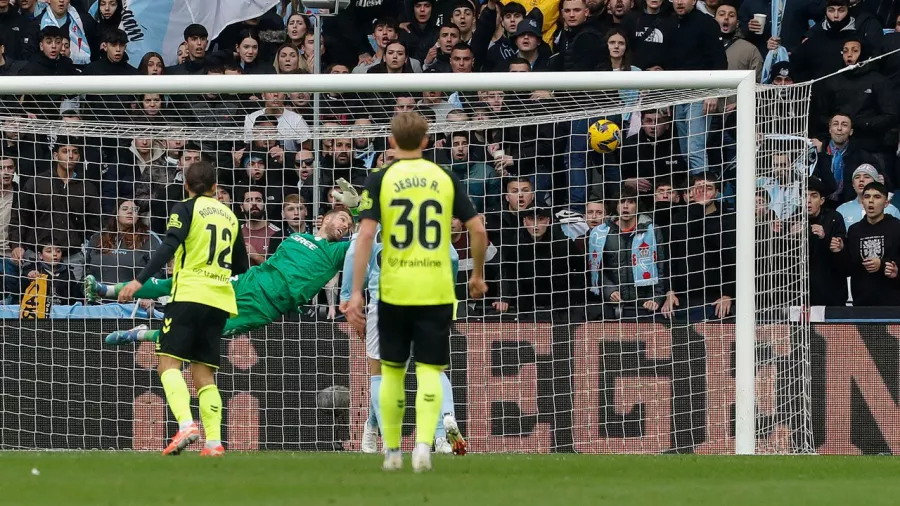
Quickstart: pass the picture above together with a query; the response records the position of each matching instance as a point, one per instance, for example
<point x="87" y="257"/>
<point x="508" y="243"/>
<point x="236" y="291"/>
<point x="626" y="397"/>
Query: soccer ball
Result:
<point x="604" y="136"/>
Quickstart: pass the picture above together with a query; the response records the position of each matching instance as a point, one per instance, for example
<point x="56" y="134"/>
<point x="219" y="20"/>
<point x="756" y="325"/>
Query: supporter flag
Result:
<point x="158" y="25"/>
<point x="780" y="54"/>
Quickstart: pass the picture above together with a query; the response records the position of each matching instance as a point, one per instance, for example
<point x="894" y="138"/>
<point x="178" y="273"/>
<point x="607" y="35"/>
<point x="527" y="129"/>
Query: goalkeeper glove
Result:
<point x="347" y="196"/>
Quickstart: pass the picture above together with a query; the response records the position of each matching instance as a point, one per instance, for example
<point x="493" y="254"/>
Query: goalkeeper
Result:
<point x="447" y="437"/>
<point x="300" y="267"/>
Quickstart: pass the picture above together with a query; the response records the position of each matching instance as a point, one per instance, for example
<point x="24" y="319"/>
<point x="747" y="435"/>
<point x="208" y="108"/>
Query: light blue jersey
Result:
<point x="373" y="271"/>
<point x="853" y="212"/>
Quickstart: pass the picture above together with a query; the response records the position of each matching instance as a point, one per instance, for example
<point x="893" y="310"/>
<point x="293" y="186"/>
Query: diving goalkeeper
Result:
<point x="300" y="267"/>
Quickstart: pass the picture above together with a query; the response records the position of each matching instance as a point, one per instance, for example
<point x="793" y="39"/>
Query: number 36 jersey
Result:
<point x="207" y="231"/>
<point x="415" y="201"/>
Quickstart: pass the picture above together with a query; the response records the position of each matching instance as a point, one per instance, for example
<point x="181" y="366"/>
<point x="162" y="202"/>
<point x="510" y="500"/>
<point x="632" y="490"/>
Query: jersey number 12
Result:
<point x="226" y="239"/>
<point x="425" y="226"/>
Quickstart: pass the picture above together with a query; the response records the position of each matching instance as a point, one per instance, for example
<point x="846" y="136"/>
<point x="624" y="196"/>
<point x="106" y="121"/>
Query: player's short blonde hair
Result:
<point x="408" y="129"/>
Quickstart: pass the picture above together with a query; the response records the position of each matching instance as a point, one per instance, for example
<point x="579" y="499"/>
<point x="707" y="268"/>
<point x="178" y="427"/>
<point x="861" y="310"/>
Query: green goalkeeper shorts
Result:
<point x="254" y="310"/>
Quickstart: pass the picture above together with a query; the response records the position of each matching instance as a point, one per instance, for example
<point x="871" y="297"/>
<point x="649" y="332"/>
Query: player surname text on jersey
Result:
<point x="417" y="182"/>
<point x="206" y="211"/>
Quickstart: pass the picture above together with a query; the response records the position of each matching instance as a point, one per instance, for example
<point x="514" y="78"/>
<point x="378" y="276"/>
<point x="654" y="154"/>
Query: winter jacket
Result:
<point x="827" y="282"/>
<point x="577" y="49"/>
<point x="103" y="67"/>
<point x="642" y="156"/>
<point x="136" y="179"/>
<point x="649" y="35"/>
<point x="703" y="252"/>
<point x="546" y="273"/>
<point x="794" y="22"/>
<point x="618" y="271"/>
<point x="868" y="98"/>
<point x="741" y="54"/>
<point x="854" y="156"/>
<point x="695" y="44"/>
<point x="820" y="54"/>
<point x="69" y="213"/>
<point x="63" y="288"/>
<point x="120" y="264"/>
<point x="10" y="28"/>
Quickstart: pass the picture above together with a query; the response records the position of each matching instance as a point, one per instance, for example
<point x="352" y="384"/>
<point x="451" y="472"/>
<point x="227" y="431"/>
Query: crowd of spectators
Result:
<point x="647" y="231"/>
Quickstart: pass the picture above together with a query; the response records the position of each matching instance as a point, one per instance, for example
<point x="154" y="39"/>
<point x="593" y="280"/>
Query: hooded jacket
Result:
<point x="820" y="54"/>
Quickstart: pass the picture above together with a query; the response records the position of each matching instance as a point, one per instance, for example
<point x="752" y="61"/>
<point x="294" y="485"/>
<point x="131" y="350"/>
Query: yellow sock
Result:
<point x="429" y="395"/>
<point x="393" y="403"/>
<point x="177" y="395"/>
<point x="211" y="412"/>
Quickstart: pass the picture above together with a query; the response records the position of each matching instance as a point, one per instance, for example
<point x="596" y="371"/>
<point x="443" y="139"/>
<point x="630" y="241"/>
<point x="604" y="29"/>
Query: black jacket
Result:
<point x="11" y="29"/>
<point x="695" y="44"/>
<point x="576" y="49"/>
<point x="649" y="35"/>
<point x="868" y="98"/>
<point x="854" y="156"/>
<point x="548" y="272"/>
<point x="820" y="54"/>
<point x="827" y="282"/>
<point x="40" y="65"/>
<point x="63" y="288"/>
<point x="864" y="240"/>
<point x="703" y="253"/>
<point x="642" y="156"/>
<point x="103" y="67"/>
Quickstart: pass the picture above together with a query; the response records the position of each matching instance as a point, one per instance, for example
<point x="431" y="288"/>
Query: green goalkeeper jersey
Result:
<point x="300" y="267"/>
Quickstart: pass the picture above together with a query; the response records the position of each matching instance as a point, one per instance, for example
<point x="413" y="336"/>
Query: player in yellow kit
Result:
<point x="415" y="201"/>
<point x="204" y="237"/>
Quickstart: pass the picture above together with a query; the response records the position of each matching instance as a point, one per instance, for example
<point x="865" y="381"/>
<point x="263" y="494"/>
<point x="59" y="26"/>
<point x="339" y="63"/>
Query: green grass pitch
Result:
<point x="124" y="478"/>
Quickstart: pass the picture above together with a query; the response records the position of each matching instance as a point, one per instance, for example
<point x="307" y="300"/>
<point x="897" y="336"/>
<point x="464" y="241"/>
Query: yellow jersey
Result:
<point x="204" y="235"/>
<point x="415" y="201"/>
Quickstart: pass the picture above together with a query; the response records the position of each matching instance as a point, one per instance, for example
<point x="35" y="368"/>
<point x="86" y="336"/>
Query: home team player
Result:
<point x="204" y="236"/>
<point x="447" y="437"/>
<point x="415" y="201"/>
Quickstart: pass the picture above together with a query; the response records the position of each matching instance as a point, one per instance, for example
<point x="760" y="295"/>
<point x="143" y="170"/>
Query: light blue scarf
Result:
<point x="79" y="48"/>
<point x="779" y="54"/>
<point x="643" y="256"/>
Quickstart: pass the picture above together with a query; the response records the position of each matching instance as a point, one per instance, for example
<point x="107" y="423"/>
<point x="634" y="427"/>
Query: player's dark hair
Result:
<point x="200" y="177"/>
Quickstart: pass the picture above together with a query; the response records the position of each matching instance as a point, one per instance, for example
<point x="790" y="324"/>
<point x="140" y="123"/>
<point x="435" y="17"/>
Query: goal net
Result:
<point x="613" y="317"/>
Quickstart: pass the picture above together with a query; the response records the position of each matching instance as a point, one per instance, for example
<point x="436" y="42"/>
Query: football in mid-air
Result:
<point x="604" y="136"/>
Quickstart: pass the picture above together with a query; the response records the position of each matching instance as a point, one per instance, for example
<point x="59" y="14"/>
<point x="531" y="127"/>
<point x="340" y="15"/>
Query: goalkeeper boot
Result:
<point x="421" y="458"/>
<point x="454" y="436"/>
<point x="218" y="451"/>
<point x="182" y="439"/>
<point x="441" y="445"/>
<point x="122" y="337"/>
<point x="393" y="460"/>
<point x="369" y="442"/>
<point x="92" y="288"/>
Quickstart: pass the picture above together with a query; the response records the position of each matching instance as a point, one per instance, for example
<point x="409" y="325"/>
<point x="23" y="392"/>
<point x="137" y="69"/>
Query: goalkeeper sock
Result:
<point x="428" y="401"/>
<point x="177" y="396"/>
<point x="446" y="405"/>
<point x="148" y="335"/>
<point x="393" y="404"/>
<point x="211" y="414"/>
<point x="110" y="291"/>
<point x="375" y="401"/>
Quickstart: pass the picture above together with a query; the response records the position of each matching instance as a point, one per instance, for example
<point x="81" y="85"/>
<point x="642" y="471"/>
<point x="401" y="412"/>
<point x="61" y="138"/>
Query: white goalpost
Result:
<point x="634" y="381"/>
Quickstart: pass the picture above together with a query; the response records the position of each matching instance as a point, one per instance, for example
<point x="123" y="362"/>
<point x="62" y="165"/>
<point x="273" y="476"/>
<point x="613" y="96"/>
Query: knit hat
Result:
<point x="866" y="169"/>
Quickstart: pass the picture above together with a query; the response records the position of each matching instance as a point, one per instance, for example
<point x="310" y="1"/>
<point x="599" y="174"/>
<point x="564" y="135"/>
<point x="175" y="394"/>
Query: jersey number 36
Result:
<point x="425" y="229"/>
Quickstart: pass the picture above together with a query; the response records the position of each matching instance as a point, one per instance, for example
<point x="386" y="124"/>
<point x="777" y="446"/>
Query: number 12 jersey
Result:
<point x="415" y="201"/>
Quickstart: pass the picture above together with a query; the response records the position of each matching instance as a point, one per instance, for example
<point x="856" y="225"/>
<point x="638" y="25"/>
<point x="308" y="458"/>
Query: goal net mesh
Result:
<point x="609" y="321"/>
